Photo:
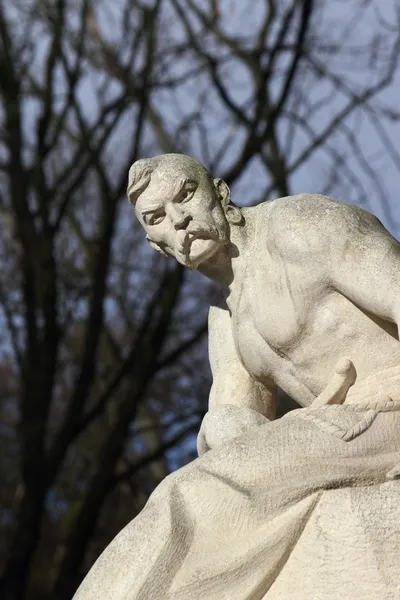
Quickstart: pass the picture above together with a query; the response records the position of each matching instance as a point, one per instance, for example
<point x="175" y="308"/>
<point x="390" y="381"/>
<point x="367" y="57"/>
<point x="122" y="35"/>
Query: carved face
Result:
<point x="182" y="217"/>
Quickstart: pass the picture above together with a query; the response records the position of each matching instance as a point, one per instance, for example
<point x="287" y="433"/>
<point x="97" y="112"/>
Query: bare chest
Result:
<point x="270" y="314"/>
<point x="279" y="322"/>
<point x="292" y="328"/>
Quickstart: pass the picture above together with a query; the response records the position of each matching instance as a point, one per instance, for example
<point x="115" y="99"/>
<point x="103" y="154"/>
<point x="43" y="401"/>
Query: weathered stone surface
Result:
<point x="307" y="506"/>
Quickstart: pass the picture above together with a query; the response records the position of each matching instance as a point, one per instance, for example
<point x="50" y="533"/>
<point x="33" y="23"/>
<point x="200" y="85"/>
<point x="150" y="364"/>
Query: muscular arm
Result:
<point x="366" y="266"/>
<point x="232" y="384"/>
<point x="237" y="402"/>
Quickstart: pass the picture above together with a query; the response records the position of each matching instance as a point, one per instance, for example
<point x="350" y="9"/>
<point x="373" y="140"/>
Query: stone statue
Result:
<point x="307" y="506"/>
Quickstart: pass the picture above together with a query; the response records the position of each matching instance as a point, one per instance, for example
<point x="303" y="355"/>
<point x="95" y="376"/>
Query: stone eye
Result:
<point x="154" y="218"/>
<point x="187" y="194"/>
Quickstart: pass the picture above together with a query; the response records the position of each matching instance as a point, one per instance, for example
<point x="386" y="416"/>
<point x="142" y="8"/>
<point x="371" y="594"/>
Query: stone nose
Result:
<point x="179" y="219"/>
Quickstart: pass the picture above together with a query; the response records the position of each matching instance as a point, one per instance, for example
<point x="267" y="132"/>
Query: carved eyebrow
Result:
<point x="152" y="209"/>
<point x="190" y="182"/>
<point x="182" y="183"/>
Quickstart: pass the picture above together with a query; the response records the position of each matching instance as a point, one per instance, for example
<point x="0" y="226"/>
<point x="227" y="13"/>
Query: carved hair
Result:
<point x="140" y="172"/>
<point x="139" y="177"/>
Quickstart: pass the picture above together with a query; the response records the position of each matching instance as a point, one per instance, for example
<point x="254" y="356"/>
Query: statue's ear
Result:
<point x="155" y="246"/>
<point x="224" y="192"/>
<point x="232" y="212"/>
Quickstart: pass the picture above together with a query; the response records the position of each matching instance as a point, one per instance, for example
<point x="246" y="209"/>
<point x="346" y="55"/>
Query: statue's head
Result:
<point x="184" y="212"/>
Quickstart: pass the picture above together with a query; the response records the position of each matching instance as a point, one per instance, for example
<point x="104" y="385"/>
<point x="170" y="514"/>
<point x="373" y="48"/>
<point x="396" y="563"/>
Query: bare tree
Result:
<point x="104" y="361"/>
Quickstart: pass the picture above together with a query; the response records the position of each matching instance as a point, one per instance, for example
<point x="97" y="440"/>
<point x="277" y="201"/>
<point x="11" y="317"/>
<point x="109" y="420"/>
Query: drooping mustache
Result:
<point x="196" y="230"/>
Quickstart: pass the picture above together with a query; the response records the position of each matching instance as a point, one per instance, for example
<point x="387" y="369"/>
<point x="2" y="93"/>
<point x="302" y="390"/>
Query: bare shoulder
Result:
<point x="308" y="223"/>
<point x="220" y="338"/>
<point x="221" y="345"/>
<point x="218" y="312"/>
<point x="310" y="211"/>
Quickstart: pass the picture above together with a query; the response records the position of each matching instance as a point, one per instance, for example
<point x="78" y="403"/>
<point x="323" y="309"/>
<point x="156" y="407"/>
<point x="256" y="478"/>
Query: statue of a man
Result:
<point x="307" y="506"/>
<point x="305" y="280"/>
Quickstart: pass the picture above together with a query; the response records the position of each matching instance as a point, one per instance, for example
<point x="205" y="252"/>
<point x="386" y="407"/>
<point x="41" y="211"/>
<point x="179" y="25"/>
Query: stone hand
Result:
<point x="225" y="422"/>
<point x="337" y="388"/>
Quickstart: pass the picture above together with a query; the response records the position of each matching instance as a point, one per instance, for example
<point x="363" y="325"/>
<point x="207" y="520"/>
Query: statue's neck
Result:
<point x="227" y="266"/>
<point x="218" y="267"/>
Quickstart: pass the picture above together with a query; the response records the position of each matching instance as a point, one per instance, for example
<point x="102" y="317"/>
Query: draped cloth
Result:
<point x="303" y="508"/>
